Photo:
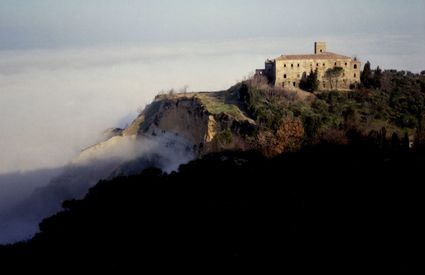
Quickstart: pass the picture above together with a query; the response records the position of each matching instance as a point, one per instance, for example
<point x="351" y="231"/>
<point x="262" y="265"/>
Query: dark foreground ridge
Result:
<point x="328" y="208"/>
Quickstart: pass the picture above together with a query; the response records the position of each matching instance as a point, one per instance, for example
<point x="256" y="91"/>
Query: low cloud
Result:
<point x="115" y="157"/>
<point x="54" y="103"/>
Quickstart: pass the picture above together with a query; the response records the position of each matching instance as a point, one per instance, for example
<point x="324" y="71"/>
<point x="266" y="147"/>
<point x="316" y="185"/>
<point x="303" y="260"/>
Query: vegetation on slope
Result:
<point x="390" y="103"/>
<point x="217" y="103"/>
<point x="361" y="214"/>
<point x="387" y="105"/>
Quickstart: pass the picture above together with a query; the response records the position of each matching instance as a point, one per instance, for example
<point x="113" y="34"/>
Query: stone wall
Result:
<point x="288" y="73"/>
<point x="287" y="70"/>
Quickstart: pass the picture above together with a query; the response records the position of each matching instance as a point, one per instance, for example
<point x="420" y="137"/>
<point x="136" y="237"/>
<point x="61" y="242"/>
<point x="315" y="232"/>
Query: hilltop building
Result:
<point x="334" y="71"/>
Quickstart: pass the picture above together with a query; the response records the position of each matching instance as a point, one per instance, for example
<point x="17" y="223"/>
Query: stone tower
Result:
<point x="319" y="47"/>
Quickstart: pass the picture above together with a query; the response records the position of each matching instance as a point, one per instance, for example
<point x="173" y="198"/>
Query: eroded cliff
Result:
<point x="209" y="121"/>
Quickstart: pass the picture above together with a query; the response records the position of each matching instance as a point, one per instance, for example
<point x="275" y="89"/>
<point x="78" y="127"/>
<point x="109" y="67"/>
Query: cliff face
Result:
<point x="172" y="130"/>
<point x="205" y="120"/>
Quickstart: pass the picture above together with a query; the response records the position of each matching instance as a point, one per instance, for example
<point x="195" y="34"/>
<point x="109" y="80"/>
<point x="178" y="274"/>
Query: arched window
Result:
<point x="284" y="76"/>
<point x="355" y="75"/>
<point x="355" y="66"/>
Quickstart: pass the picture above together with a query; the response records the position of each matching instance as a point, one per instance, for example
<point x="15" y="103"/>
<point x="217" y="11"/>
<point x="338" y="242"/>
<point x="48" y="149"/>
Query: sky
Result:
<point x="62" y="23"/>
<point x="71" y="69"/>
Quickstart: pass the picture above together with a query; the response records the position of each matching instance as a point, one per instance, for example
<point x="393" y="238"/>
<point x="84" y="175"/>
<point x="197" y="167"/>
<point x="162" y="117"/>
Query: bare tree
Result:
<point x="184" y="89"/>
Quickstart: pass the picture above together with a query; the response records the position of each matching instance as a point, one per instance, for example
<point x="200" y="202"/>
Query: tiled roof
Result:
<point x="326" y="55"/>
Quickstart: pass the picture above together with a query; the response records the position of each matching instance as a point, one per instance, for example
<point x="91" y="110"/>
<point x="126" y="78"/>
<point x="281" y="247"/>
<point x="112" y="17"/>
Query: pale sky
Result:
<point x="54" y="23"/>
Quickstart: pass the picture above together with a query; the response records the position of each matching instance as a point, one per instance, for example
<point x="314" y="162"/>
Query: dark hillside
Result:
<point x="327" y="208"/>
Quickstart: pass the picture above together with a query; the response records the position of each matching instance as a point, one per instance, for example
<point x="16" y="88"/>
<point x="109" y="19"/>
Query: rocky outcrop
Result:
<point x="196" y="117"/>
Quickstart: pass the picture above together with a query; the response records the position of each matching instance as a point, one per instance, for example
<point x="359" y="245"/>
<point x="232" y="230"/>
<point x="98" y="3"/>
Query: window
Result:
<point x="321" y="50"/>
<point x="345" y="64"/>
<point x="298" y="65"/>
<point x="355" y="75"/>
<point x="317" y="64"/>
<point x="355" y="66"/>
<point x="323" y="64"/>
<point x="284" y="76"/>
<point x="324" y="85"/>
<point x="292" y="65"/>
<point x="284" y="65"/>
<point x="294" y="84"/>
<point x="335" y="64"/>
<point x="343" y="74"/>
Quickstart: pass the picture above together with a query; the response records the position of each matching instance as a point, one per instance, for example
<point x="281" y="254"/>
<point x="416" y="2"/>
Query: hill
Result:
<point x="255" y="116"/>
<point x="333" y="208"/>
<point x="324" y="178"/>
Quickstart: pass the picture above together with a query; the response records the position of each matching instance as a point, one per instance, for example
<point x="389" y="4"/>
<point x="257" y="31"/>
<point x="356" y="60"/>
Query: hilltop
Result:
<point x="253" y="115"/>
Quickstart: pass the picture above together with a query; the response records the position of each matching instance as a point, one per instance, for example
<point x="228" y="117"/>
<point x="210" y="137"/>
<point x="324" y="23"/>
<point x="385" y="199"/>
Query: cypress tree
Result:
<point x="366" y="75"/>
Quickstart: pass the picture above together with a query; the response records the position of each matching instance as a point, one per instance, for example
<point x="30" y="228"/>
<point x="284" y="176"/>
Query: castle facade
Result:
<point x="334" y="71"/>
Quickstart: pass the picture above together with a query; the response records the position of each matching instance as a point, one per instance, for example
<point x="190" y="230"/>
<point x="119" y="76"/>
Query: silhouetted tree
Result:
<point x="420" y="135"/>
<point x="309" y="83"/>
<point x="405" y="143"/>
<point x="377" y="76"/>
<point x="366" y="75"/>
<point x="304" y="83"/>
<point x="313" y="81"/>
<point x="382" y="138"/>
<point x="395" y="142"/>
